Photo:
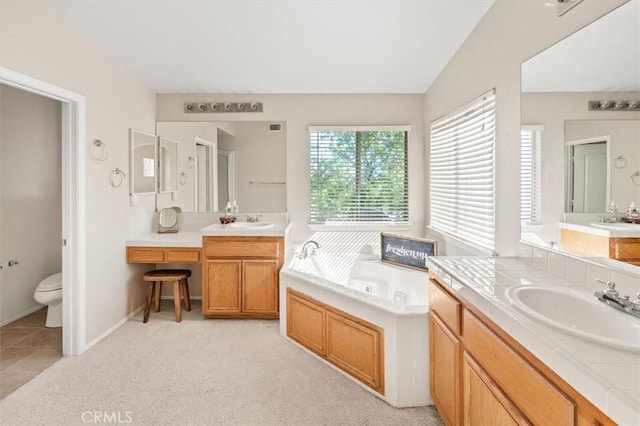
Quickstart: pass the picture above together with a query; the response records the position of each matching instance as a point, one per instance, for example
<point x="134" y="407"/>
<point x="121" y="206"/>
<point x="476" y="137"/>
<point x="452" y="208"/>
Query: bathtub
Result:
<point x="391" y="297"/>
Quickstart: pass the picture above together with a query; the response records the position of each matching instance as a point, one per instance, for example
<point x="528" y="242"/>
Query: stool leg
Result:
<point x="176" y="300"/>
<point x="147" y="304"/>
<point x="158" y="285"/>
<point x="185" y="294"/>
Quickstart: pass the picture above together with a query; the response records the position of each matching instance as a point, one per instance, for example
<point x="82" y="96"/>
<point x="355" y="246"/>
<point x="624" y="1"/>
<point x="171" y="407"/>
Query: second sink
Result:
<point x="579" y="313"/>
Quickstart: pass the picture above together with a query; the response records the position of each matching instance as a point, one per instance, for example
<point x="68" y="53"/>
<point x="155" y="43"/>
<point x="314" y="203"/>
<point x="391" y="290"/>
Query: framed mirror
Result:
<point x="225" y="161"/>
<point x="167" y="165"/>
<point x="142" y="162"/>
<point x="573" y="144"/>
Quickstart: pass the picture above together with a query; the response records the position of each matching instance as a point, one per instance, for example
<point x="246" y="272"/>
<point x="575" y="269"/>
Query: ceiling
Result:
<point x="603" y="56"/>
<point x="287" y="46"/>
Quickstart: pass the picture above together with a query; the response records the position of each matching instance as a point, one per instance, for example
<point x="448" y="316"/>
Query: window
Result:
<point x="358" y="175"/>
<point x="530" y="141"/>
<point x="462" y="173"/>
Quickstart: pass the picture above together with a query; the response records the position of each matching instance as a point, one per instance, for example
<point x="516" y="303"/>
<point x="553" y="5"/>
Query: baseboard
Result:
<point x="112" y="329"/>
<point x="21" y="315"/>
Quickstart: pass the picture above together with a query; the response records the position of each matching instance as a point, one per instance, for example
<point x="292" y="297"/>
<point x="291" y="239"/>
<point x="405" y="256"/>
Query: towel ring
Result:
<point x="99" y="150"/>
<point x="620" y="162"/>
<point x="117" y="177"/>
<point x="635" y="178"/>
<point x="183" y="178"/>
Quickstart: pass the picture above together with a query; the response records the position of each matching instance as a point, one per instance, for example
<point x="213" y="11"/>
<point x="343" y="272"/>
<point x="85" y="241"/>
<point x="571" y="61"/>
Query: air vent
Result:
<point x="275" y="127"/>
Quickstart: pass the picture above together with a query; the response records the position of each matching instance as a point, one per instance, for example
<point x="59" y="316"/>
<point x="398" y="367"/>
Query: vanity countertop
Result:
<point x="609" y="230"/>
<point x="194" y="238"/>
<point x="607" y="377"/>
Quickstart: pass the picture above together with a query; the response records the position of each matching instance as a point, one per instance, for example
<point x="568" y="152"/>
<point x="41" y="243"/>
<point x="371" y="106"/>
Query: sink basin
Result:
<point x="579" y="313"/>
<point x="252" y="225"/>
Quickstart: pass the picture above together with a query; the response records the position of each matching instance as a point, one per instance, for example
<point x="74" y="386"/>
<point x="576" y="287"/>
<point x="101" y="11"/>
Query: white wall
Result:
<point x="301" y="111"/>
<point x="35" y="42"/>
<point x="510" y="33"/>
<point x="31" y="194"/>
<point x="551" y="110"/>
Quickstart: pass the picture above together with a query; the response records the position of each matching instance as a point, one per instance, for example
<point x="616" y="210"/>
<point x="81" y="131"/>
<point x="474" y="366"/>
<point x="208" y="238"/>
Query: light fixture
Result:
<point x="621" y="105"/>
<point x="224" y="107"/>
<point x="563" y="6"/>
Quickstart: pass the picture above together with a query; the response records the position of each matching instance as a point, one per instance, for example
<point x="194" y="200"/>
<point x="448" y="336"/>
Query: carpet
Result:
<point x="199" y="372"/>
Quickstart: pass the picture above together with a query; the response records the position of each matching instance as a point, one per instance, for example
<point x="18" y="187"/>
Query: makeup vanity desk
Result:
<point x="180" y="247"/>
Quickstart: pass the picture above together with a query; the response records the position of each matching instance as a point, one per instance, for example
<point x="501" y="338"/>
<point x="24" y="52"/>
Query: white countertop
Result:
<point x="607" y="377"/>
<point x="194" y="238"/>
<point x="605" y="230"/>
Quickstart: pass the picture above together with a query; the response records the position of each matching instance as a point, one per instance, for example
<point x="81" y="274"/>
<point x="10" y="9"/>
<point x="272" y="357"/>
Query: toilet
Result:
<point x="49" y="292"/>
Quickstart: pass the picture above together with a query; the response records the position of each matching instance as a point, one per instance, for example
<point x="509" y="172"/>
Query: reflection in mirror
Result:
<point x="242" y="161"/>
<point x="599" y="62"/>
<point x="168" y="164"/>
<point x="142" y="165"/>
<point x="587" y="174"/>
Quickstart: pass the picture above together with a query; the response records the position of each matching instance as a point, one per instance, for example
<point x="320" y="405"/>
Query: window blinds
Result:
<point x="530" y="151"/>
<point x="462" y="173"/>
<point x="358" y="176"/>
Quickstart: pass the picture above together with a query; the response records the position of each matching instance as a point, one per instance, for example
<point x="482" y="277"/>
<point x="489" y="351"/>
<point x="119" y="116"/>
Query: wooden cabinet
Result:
<point x="240" y="276"/>
<point x="350" y="343"/>
<point x="444" y="361"/>
<point x="482" y="376"/>
<point x="484" y="403"/>
<point x="163" y="255"/>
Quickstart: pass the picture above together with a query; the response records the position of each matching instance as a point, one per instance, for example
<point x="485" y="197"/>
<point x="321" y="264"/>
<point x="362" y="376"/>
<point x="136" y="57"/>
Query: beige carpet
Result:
<point x="199" y="372"/>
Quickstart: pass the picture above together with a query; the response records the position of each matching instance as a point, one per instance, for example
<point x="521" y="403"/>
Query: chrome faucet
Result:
<point x="304" y="253"/>
<point x="607" y="219"/>
<point x="611" y="297"/>
<point x="256" y="218"/>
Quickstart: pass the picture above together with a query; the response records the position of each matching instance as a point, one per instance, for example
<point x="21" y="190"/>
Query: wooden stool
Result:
<point x="154" y="281"/>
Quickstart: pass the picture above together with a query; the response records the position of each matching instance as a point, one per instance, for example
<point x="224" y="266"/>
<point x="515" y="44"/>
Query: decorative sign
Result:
<point x="407" y="251"/>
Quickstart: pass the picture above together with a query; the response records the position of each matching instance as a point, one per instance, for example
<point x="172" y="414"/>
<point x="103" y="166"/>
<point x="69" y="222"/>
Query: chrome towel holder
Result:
<point x="117" y="177"/>
<point x="99" y="150"/>
<point x="635" y="178"/>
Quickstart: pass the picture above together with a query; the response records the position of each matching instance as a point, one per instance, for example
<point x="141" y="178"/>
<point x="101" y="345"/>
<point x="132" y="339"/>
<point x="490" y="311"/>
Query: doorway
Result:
<point x="73" y="240"/>
<point x="588" y="175"/>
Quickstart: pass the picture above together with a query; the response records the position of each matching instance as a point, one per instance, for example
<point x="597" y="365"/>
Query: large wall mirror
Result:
<point x="142" y="159"/>
<point x="219" y="162"/>
<point x="575" y="171"/>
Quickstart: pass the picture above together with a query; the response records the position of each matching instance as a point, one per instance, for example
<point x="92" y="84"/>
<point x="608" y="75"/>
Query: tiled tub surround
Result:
<point x="325" y="277"/>
<point x="609" y="378"/>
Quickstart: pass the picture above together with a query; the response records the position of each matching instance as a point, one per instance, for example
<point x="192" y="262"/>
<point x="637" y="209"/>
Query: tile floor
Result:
<point x="27" y="348"/>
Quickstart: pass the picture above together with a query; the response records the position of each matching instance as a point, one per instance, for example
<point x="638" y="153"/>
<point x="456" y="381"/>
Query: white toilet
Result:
<point x="49" y="292"/>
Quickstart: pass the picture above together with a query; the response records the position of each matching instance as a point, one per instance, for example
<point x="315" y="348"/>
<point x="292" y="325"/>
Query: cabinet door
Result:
<point x="444" y="364"/>
<point x="222" y="289"/>
<point x="260" y="286"/>
<point x="483" y="402"/>
<point x="306" y="323"/>
<point x="356" y="348"/>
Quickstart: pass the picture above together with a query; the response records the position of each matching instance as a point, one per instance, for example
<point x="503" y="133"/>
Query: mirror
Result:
<point x="168" y="164"/>
<point x="577" y="146"/>
<point x="168" y="220"/>
<point x="225" y="161"/>
<point x="142" y="162"/>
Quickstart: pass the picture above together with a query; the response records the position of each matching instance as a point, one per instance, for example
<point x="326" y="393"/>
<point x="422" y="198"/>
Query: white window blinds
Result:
<point x="358" y="175"/>
<point x="462" y="173"/>
<point x="530" y="152"/>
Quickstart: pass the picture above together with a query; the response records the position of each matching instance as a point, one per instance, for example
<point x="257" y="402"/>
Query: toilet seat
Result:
<point x="51" y="283"/>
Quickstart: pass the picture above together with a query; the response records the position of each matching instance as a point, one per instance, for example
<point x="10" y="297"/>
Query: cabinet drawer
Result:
<point x="538" y="399"/>
<point x="445" y="306"/>
<point x="261" y="247"/>
<point x="183" y="256"/>
<point x="145" y="255"/>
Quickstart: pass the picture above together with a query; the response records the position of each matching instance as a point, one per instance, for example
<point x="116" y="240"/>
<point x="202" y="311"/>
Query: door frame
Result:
<point x="568" y="167"/>
<point x="212" y="170"/>
<point x="73" y="204"/>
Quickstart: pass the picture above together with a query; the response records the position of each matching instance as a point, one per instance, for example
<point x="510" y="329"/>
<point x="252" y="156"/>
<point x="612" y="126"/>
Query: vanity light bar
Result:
<point x="199" y="107"/>
<point x="614" y="105"/>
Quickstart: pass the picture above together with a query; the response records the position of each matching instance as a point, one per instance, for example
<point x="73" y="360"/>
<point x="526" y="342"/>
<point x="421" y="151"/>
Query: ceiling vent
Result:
<point x="275" y="127"/>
